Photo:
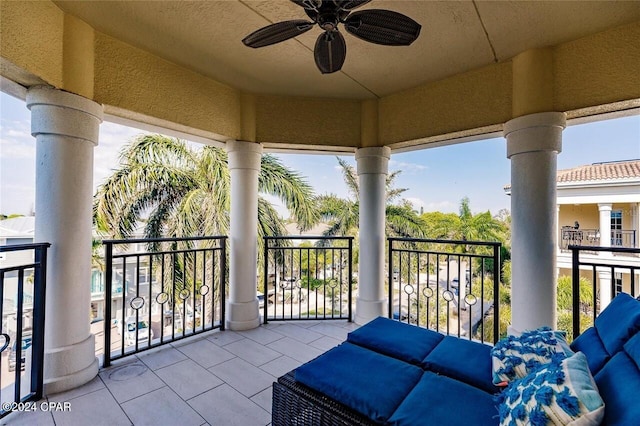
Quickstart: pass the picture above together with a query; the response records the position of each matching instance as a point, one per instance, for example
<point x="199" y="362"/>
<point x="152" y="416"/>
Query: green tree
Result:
<point x="465" y="226"/>
<point x="182" y="191"/>
<point x="343" y="216"/>
<point x="565" y="304"/>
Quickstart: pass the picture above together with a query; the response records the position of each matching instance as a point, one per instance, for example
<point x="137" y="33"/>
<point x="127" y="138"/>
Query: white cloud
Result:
<point x="16" y="141"/>
<point x="417" y="203"/>
<point x="441" y="206"/>
<point x="407" y="167"/>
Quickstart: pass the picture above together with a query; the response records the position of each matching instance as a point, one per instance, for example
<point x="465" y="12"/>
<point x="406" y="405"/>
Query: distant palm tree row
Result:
<point x="176" y="190"/>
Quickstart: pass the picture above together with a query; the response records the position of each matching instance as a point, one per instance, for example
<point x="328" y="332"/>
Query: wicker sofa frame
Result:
<point x="297" y="404"/>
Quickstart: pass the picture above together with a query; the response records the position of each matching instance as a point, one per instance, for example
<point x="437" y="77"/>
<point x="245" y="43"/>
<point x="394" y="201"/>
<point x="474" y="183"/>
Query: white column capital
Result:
<point x="603" y="207"/>
<point x="373" y="160"/>
<point x="244" y="155"/>
<point x="56" y="112"/>
<point x="535" y="133"/>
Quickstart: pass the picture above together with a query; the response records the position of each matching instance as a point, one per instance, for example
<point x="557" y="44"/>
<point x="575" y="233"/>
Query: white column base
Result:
<point x="242" y="315"/>
<point x="367" y="310"/>
<point x="74" y="366"/>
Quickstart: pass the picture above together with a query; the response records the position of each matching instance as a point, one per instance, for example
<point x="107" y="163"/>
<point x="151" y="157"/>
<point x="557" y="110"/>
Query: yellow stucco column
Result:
<point x="78" y="57"/>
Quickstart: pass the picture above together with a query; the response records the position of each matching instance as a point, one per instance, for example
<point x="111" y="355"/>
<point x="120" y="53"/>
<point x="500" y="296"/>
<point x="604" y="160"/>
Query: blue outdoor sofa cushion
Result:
<point x="363" y="380"/>
<point x="440" y="400"/>
<point x="396" y="339"/>
<point x="618" y="321"/>
<point x="590" y="344"/>
<point x="463" y="360"/>
<point x="619" y="385"/>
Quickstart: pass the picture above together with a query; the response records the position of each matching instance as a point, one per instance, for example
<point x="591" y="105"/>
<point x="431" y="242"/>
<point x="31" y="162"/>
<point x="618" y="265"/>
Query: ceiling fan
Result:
<point x="373" y="25"/>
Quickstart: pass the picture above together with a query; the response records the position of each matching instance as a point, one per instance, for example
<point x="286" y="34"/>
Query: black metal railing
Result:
<point x="622" y="274"/>
<point x="173" y="289"/>
<point x="307" y="278"/>
<point x="452" y="287"/>
<point x="591" y="237"/>
<point x="23" y="272"/>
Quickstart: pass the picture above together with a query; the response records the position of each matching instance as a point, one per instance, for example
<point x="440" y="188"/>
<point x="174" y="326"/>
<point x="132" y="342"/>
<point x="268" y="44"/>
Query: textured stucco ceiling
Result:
<point x="456" y="37"/>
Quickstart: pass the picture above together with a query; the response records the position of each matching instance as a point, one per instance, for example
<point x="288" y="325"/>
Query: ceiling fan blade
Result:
<point x="383" y="27"/>
<point x="308" y="4"/>
<point x="275" y="33"/>
<point x="330" y="52"/>
<point x="350" y="4"/>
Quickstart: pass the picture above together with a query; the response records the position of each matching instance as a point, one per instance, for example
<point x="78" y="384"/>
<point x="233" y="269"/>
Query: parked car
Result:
<point x="170" y="317"/>
<point x="143" y="334"/>
<point x="269" y="299"/>
<point x="26" y="344"/>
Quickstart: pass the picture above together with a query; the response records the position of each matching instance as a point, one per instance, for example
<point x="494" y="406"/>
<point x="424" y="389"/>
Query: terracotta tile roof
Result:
<point x="628" y="169"/>
<point x="601" y="171"/>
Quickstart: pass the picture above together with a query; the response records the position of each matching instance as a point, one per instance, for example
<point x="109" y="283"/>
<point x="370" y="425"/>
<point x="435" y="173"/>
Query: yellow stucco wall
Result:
<point x="586" y="214"/>
<point x="136" y="80"/>
<point x="475" y="99"/>
<point x="35" y="36"/>
<point x="333" y="122"/>
<point x="603" y="68"/>
<point x="31" y="38"/>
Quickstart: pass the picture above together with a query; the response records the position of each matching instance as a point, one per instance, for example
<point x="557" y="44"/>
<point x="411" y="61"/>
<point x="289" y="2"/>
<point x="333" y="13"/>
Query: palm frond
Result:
<point x="291" y="188"/>
<point x="403" y="222"/>
<point x="350" y="177"/>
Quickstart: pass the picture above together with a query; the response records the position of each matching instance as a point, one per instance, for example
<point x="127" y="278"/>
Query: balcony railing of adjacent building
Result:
<point x="22" y="304"/>
<point x="591" y="237"/>
<point x="174" y="289"/>
<point x="308" y="281"/>
<point x="587" y="311"/>
<point x="449" y="286"/>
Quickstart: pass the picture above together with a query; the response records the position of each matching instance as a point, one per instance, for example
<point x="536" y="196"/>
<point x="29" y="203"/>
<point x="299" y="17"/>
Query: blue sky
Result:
<point x="435" y="178"/>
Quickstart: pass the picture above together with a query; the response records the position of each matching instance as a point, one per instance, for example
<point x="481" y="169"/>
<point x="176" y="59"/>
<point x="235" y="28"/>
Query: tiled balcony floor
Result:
<point x="217" y="378"/>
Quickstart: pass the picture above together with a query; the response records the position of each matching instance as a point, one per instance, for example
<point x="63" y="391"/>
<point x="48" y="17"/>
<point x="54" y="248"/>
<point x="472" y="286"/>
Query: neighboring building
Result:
<point x="16" y="231"/>
<point x="20" y="230"/>
<point x="599" y="205"/>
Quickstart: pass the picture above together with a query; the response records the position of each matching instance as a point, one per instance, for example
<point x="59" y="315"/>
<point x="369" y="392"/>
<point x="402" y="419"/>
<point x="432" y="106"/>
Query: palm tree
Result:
<point x="182" y="191"/>
<point x="343" y="214"/>
<point x="179" y="191"/>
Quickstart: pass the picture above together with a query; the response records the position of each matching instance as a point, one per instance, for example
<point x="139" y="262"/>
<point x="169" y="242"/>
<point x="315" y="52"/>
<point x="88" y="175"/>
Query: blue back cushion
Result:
<point x="590" y="344"/>
<point x="440" y="400"/>
<point x="396" y="339"/>
<point x="619" y="386"/>
<point x="370" y="383"/>
<point x="618" y="321"/>
<point x="463" y="360"/>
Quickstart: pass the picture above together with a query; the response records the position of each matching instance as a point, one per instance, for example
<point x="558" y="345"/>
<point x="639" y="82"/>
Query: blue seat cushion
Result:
<point x="440" y="400"/>
<point x="396" y="339"/>
<point x="619" y="386"/>
<point x="590" y="344"/>
<point x="363" y="380"/>
<point x="618" y="322"/>
<point x="463" y="360"/>
<point x="632" y="348"/>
